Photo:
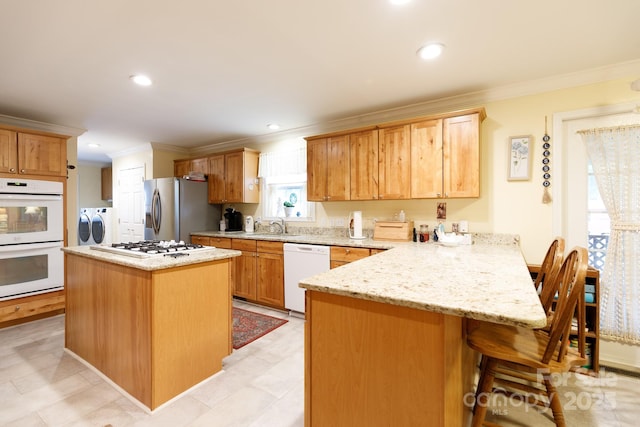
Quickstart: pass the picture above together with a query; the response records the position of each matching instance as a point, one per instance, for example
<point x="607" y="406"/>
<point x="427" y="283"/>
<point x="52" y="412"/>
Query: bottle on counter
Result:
<point x="401" y="216"/>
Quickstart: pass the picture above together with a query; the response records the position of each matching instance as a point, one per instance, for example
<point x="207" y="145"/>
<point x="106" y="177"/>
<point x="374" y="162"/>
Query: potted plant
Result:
<point x="288" y="208"/>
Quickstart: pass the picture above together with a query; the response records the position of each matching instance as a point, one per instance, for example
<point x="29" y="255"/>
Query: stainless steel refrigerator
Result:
<point x="176" y="207"/>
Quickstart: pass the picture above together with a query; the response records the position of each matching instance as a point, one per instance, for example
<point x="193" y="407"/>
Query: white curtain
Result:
<point x="284" y="162"/>
<point x="615" y="157"/>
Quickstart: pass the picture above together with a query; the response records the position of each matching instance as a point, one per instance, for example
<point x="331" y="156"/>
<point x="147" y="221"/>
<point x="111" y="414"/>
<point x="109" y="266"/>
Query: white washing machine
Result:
<point x="103" y="226"/>
<point x="84" y="227"/>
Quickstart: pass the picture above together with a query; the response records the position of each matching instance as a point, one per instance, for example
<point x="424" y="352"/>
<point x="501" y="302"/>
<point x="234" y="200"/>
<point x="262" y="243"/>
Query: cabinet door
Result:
<point x="8" y="152"/>
<point x="270" y="287"/>
<point x="338" y="186"/>
<point x="181" y="168"/>
<point x="42" y="155"/>
<point x="244" y="284"/>
<point x="317" y="169"/>
<point x="234" y="177"/>
<point x="461" y="145"/>
<point x="364" y="165"/>
<point x="426" y="159"/>
<point x="106" y="183"/>
<point x="200" y="165"/>
<point x="216" y="179"/>
<point x="394" y="163"/>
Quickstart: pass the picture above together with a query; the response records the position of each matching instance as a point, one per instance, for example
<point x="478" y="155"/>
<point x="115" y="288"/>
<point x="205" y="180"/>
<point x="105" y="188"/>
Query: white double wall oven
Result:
<point x="31" y="237"/>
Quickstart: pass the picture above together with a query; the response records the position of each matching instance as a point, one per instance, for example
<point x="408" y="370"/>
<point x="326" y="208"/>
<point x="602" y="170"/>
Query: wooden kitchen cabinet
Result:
<point x="394" y="163"/>
<point x="32" y="154"/>
<point x="426" y="159"/>
<point x="244" y="276"/>
<point x="422" y="158"/>
<point x="341" y="255"/>
<point x="259" y="272"/>
<point x="106" y="181"/>
<point x="184" y="166"/>
<point x="233" y="177"/>
<point x="363" y="167"/>
<point x="461" y="156"/>
<point x="328" y="176"/>
<point x="270" y="274"/>
<point x="216" y="242"/>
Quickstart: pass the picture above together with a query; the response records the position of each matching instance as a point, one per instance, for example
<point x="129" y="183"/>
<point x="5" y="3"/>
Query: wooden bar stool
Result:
<point x="532" y="356"/>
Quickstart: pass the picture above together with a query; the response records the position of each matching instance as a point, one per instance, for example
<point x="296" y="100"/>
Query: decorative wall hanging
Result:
<point x="546" y="164"/>
<point x="519" y="158"/>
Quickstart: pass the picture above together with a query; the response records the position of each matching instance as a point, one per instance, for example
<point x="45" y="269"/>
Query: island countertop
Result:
<point x="480" y="281"/>
<point x="153" y="262"/>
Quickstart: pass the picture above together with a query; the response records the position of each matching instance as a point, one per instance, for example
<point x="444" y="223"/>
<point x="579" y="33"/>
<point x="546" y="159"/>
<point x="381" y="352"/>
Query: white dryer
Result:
<point x="103" y="226"/>
<point x="84" y="227"/>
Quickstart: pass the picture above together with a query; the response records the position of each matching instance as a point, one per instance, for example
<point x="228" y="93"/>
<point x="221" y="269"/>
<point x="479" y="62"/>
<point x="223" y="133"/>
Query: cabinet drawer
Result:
<point x="341" y="253"/>
<point x="270" y="247"/>
<point x="31" y="306"/>
<point x="243" y="245"/>
<point x="220" y="242"/>
<point x="200" y="240"/>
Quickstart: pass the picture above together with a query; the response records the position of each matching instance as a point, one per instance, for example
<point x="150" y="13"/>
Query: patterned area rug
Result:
<point x="249" y="326"/>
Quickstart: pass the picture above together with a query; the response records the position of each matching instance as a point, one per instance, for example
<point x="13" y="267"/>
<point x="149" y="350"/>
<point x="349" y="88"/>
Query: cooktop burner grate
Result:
<point x="146" y="248"/>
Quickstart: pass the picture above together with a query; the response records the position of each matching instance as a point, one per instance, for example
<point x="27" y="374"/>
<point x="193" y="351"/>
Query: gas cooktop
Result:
<point x="149" y="248"/>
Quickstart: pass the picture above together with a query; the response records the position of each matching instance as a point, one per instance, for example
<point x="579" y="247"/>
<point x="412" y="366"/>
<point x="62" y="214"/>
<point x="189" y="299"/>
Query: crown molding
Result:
<point x="41" y="126"/>
<point x="453" y="103"/>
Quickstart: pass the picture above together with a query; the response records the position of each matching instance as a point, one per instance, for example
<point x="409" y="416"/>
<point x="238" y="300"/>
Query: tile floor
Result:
<point x="262" y="385"/>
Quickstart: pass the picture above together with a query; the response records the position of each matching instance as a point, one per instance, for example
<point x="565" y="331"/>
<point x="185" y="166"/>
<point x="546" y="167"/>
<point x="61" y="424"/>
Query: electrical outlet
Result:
<point x="339" y="222"/>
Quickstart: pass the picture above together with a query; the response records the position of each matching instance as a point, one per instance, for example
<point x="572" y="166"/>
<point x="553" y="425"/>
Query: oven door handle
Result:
<point x="24" y="247"/>
<point x="33" y="197"/>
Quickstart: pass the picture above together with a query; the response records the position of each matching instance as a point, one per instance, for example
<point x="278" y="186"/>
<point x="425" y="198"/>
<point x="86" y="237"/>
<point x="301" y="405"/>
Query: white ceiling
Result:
<point x="224" y="70"/>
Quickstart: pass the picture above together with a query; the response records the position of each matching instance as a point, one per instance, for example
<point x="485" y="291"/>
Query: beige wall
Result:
<point x="513" y="207"/>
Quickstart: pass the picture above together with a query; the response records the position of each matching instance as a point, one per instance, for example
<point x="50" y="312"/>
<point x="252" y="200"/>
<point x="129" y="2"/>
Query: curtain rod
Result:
<point x="609" y="129"/>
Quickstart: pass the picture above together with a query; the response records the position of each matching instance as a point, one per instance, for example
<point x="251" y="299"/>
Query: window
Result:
<point x="283" y="176"/>
<point x="598" y="224"/>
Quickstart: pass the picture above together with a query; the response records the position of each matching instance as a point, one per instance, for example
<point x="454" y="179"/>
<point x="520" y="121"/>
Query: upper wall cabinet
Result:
<point x="233" y="177"/>
<point x="32" y="154"/>
<point x="328" y="168"/>
<point x="394" y="163"/>
<point x="422" y="158"/>
<point x="426" y="159"/>
<point x="185" y="166"/>
<point x="363" y="168"/>
<point x="461" y="156"/>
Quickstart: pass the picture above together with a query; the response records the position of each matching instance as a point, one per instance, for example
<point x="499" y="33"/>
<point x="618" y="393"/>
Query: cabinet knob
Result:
<point x="12" y="170"/>
<point x="17" y="308"/>
<point x="347" y="250"/>
<point x="23" y="171"/>
<point x="439" y="194"/>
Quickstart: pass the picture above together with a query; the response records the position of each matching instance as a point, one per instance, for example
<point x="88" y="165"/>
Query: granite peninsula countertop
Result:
<point x="488" y="280"/>
<point x="153" y="262"/>
<point x="480" y="281"/>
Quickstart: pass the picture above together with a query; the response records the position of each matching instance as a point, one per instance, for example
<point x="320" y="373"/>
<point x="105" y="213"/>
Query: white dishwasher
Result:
<point x="301" y="261"/>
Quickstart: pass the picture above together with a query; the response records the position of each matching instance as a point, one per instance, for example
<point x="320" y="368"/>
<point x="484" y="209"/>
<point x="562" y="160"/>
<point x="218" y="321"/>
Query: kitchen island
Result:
<point x="385" y="336"/>
<point x="154" y="327"/>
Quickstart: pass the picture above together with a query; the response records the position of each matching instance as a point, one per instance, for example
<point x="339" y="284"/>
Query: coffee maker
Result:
<point x="234" y="219"/>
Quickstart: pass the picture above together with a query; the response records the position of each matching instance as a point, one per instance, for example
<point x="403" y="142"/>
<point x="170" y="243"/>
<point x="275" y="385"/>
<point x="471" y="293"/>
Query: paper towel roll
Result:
<point x="357" y="224"/>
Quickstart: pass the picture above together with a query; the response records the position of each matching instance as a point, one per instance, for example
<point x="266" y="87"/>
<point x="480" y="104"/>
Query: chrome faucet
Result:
<point x="280" y="223"/>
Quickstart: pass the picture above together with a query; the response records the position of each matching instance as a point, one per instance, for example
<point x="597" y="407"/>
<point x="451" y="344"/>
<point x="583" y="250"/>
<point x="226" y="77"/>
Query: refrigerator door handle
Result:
<point x="156" y="211"/>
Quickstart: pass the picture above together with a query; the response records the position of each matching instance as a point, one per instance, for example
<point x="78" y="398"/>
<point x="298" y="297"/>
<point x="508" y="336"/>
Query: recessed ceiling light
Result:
<point x="399" y="1"/>
<point x="141" y="79"/>
<point x="93" y="145"/>
<point x="273" y="126"/>
<point x="430" y="51"/>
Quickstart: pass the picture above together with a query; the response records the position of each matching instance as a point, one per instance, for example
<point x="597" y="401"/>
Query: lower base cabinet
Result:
<point x="20" y="310"/>
<point x="259" y="272"/>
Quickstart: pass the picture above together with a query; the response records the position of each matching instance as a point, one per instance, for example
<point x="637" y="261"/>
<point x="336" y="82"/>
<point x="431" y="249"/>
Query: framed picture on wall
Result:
<point x="519" y="158"/>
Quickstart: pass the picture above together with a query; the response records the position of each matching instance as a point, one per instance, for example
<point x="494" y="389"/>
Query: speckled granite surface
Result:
<point x="487" y="280"/>
<point x="481" y="281"/>
<point x="154" y="262"/>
